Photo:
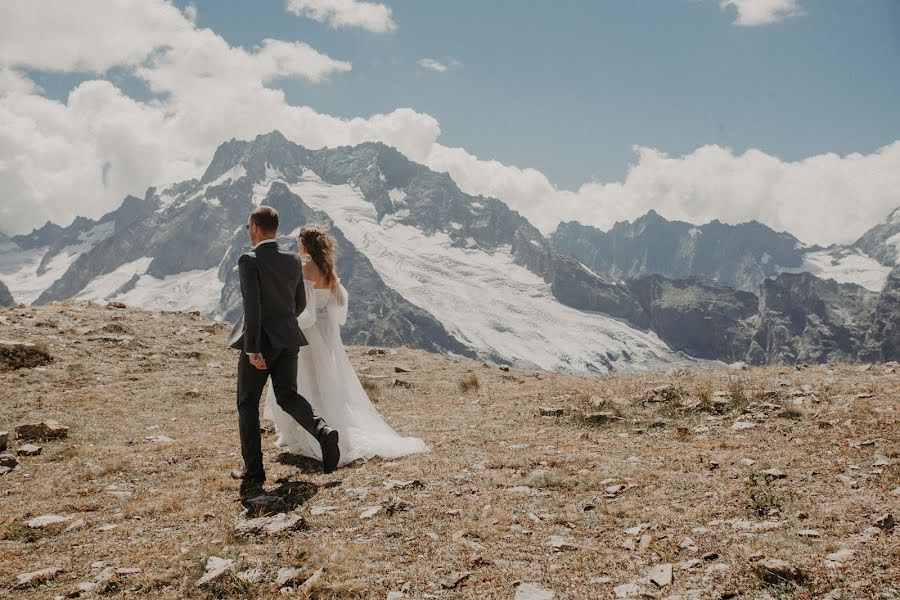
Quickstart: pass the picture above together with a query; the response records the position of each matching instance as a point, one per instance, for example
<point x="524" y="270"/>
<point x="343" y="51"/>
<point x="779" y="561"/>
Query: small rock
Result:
<point x="881" y="461"/>
<point x="532" y="591"/>
<point x="8" y="461"/>
<point x="402" y="369"/>
<point x="47" y="520"/>
<point x="215" y="568"/>
<point x="127" y="571"/>
<point x="251" y="576"/>
<point x="661" y="575"/>
<point x="627" y="590"/>
<point x="775" y="571"/>
<point x="455" y="579"/>
<point x="839" y="559"/>
<point x="375" y="351"/>
<point x="273" y="525"/>
<point x="286" y="576"/>
<point x="307" y="586"/>
<point x="774" y="474"/>
<point x="885" y="522"/>
<point x="392" y="484"/>
<point x="401" y="383"/>
<point x="741" y="425"/>
<point x="559" y="543"/>
<point x="646" y="542"/>
<point x="688" y="544"/>
<point x="809" y="533"/>
<point x="369" y="512"/>
<point x="4" y="440"/>
<point x="28" y="450"/>
<point x="546" y="411"/>
<point x="848" y="481"/>
<point x="158" y="439"/>
<point x="45" y="430"/>
<point x="4" y="470"/>
<point x="748" y="462"/>
<point x="36" y="577"/>
<point x="321" y="510"/>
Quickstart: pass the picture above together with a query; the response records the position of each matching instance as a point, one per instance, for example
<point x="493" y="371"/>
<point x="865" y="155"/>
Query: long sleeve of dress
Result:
<point x="308" y="317"/>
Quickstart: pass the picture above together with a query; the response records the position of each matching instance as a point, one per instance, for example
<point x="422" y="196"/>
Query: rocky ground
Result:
<point x="761" y="483"/>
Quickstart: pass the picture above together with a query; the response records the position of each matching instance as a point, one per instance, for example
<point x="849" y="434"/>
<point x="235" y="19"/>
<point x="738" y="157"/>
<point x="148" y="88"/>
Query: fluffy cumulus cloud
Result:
<point x="822" y="199"/>
<point x="751" y="13"/>
<point x="370" y="16"/>
<point x="81" y="156"/>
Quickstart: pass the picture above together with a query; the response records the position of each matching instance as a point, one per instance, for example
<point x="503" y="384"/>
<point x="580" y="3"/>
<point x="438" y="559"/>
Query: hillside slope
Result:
<point x="709" y="472"/>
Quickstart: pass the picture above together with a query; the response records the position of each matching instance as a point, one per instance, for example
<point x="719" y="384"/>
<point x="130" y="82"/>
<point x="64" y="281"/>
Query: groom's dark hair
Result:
<point x="266" y="218"/>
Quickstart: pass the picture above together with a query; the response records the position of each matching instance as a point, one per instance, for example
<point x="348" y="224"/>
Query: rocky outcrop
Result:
<point x="883" y="338"/>
<point x="698" y="315"/>
<point x="806" y="319"/>
<point x="740" y="256"/>
<point x="6" y="297"/>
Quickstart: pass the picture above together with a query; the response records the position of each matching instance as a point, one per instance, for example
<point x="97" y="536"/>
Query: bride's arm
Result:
<point x="308" y="317"/>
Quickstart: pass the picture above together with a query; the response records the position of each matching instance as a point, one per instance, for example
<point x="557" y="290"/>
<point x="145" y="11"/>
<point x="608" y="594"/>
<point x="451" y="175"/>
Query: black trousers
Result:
<point x="281" y="366"/>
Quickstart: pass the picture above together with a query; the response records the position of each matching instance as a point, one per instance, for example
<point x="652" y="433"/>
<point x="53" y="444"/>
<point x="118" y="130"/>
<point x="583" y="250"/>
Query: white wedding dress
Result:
<point x="327" y="380"/>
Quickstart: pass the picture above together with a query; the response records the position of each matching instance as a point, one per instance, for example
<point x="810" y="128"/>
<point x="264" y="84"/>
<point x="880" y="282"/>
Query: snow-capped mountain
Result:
<point x="741" y="256"/>
<point x="425" y="264"/>
<point x="431" y="267"/>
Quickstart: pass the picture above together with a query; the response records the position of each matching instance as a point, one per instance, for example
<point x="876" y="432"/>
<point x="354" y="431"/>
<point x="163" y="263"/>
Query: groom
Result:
<point x="269" y="340"/>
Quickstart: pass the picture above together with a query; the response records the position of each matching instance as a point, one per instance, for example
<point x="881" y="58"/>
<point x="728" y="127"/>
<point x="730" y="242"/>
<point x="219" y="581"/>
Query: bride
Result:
<point x="325" y="376"/>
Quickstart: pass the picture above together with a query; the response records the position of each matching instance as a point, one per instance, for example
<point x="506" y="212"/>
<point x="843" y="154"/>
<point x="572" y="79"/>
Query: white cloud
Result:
<point x="52" y="153"/>
<point x="751" y="13"/>
<point x="432" y="65"/>
<point x="371" y="16"/>
<point x="821" y="199"/>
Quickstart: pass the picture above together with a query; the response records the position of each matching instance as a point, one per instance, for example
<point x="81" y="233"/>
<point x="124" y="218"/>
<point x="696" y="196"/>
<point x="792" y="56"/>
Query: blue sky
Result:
<point x="570" y="87"/>
<point x="782" y="111"/>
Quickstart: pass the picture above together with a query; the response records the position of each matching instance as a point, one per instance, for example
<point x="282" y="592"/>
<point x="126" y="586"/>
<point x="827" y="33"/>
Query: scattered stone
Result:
<point x="646" y="542"/>
<point x="369" y="512"/>
<point x="839" y="559"/>
<point x="742" y="425"/>
<point x="4" y="440"/>
<point x="286" y="576"/>
<point x="8" y="461"/>
<point x="711" y="556"/>
<point x="661" y="393"/>
<point x="119" y="305"/>
<point x="551" y="412"/>
<point x="532" y="591"/>
<point x="688" y="544"/>
<point x="880" y="460"/>
<point x="748" y="462"/>
<point x="599" y="418"/>
<point x="402" y="369"/>
<point x="809" y="533"/>
<point x="45" y="430"/>
<point x="28" y="450"/>
<point x="321" y="510"/>
<point x="4" y="470"/>
<point x="273" y="525"/>
<point x="848" y="481"/>
<point x="250" y="576"/>
<point x="158" y="439"/>
<point x="108" y="527"/>
<point x="395" y="595"/>
<point x="455" y="579"/>
<point x="375" y="351"/>
<point x="559" y="543"/>
<point x="215" y="568"/>
<point x="775" y="571"/>
<point x="661" y="575"/>
<point x="885" y="522"/>
<point x="127" y="571"/>
<point x="36" y="577"/>
<point x="22" y="355"/>
<point x="47" y="520"/>
<point x="401" y="383"/>
<point x="627" y="590"/>
<point x="194" y="393"/>
<point x="864" y="395"/>
<point x="504" y="368"/>
<point x="774" y="474"/>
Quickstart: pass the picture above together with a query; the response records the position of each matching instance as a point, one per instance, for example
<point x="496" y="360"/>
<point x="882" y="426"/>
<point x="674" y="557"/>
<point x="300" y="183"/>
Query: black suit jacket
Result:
<point x="273" y="293"/>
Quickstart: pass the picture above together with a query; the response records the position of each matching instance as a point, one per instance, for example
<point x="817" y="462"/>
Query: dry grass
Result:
<point x="498" y="484"/>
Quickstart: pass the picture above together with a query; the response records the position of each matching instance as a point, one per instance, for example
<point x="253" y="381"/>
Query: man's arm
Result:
<point x="249" y="274"/>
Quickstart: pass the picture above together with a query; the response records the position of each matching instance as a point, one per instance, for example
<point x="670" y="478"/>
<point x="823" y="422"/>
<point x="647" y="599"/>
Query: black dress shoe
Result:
<point x="244" y="475"/>
<point x="331" y="452"/>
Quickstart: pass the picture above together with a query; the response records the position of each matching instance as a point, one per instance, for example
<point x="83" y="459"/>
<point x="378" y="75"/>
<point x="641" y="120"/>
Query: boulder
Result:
<point x="45" y="430"/>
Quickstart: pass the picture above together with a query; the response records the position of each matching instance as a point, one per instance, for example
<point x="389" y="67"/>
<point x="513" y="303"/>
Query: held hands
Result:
<point x="257" y="360"/>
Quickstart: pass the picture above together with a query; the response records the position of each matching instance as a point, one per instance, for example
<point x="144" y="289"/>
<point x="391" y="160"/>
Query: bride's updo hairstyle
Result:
<point x="321" y="249"/>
